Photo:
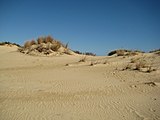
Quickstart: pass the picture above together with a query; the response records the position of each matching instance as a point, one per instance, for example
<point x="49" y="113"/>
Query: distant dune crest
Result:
<point x="9" y="44"/>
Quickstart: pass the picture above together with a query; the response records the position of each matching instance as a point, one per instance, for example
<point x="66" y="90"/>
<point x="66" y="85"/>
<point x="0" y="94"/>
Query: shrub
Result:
<point x="33" y="42"/>
<point x="44" y="45"/>
<point x="139" y="64"/>
<point x="89" y="53"/>
<point x="120" y="52"/>
<point x="48" y="39"/>
<point x="78" y="52"/>
<point x="91" y="64"/>
<point x="112" y="53"/>
<point x="86" y="53"/>
<point x="83" y="59"/>
<point x="27" y="44"/>
<point x="40" y="40"/>
<point x="55" y="46"/>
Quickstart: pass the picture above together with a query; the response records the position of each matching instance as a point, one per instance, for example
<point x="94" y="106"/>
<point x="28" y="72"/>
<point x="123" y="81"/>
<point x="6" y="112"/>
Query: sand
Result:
<point x="61" y="88"/>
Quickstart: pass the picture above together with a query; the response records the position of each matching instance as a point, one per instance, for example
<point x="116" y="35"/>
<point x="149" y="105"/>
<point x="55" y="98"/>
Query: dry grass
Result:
<point x="83" y="59"/>
<point x="55" y="45"/>
<point x="139" y="64"/>
<point x="44" y="45"/>
<point x="93" y="63"/>
<point x="28" y="44"/>
<point x="85" y="53"/>
<point x="48" y="39"/>
<point x="132" y="53"/>
<point x="33" y="42"/>
<point x="40" y="40"/>
<point x="134" y="60"/>
<point x="66" y="46"/>
<point x="105" y="62"/>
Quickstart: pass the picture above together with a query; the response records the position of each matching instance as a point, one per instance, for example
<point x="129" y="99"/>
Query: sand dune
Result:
<point x="62" y="88"/>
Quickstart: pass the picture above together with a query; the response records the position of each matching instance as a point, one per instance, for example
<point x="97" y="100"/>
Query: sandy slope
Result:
<point x="44" y="88"/>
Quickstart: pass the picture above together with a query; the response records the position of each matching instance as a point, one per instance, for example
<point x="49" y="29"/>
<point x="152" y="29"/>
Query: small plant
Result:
<point x="40" y="40"/>
<point x="66" y="46"/>
<point x="128" y="67"/>
<point x="55" y="45"/>
<point x="85" y="53"/>
<point x="83" y="59"/>
<point x="118" y="52"/>
<point x="48" y="39"/>
<point x="27" y="44"/>
<point x="78" y="52"/>
<point x="139" y="64"/>
<point x="133" y="60"/>
<point x="91" y="64"/>
<point x="89" y="53"/>
<point x="67" y="64"/>
<point x="33" y="42"/>
<point x="105" y="62"/>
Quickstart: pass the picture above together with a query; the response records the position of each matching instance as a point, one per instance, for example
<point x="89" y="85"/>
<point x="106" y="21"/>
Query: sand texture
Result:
<point x="62" y="88"/>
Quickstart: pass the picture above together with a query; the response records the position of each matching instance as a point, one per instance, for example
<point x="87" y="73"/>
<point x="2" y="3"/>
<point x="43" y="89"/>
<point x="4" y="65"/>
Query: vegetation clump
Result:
<point x="85" y="53"/>
<point x="140" y="64"/>
<point x="124" y="52"/>
<point x="44" y="46"/>
<point x="83" y="59"/>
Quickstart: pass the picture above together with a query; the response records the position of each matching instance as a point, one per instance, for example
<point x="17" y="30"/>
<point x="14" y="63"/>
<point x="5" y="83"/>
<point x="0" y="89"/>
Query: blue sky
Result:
<point x="96" y="26"/>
